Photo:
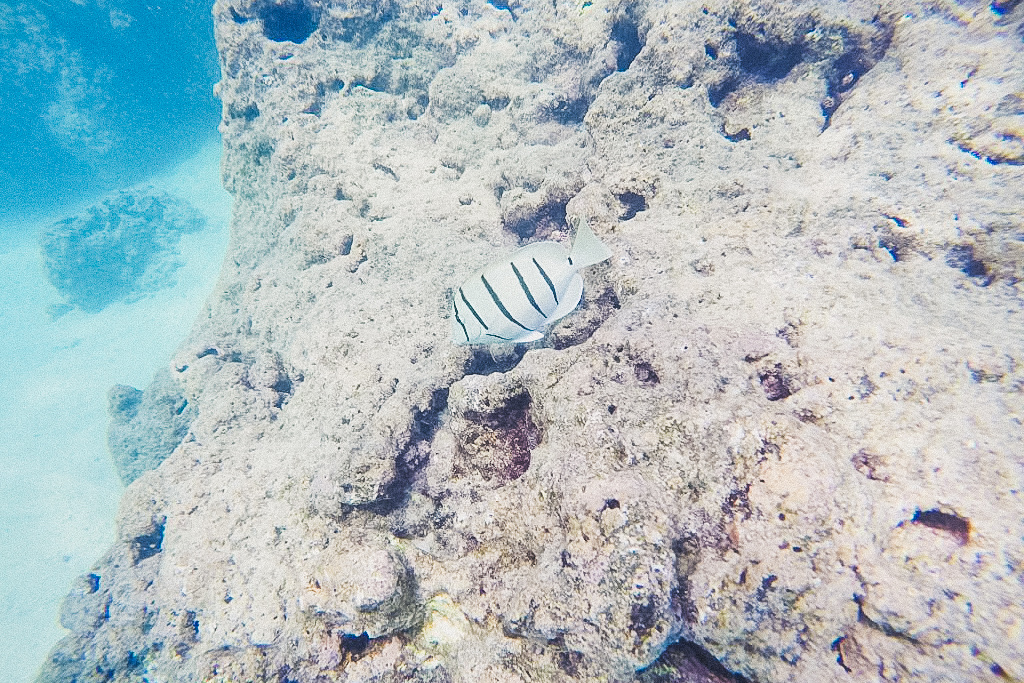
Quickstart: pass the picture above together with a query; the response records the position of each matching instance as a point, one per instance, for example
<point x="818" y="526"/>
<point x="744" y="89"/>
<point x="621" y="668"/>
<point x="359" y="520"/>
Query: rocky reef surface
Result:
<point x="780" y="440"/>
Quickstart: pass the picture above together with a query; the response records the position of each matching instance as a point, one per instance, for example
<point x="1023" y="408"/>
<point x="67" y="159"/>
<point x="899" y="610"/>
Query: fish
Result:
<point x="516" y="299"/>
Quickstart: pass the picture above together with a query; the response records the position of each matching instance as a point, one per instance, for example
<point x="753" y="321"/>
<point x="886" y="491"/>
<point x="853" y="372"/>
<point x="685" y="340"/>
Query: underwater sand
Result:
<point x="59" y="492"/>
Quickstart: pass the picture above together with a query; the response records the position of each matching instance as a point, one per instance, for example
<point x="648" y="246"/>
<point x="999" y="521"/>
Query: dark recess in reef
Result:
<point x="645" y="374"/>
<point x="684" y="661"/>
<point x="738" y="136"/>
<point x="1002" y="7"/>
<point x="569" y="111"/>
<point x="846" y="71"/>
<point x="483" y="362"/>
<point x="290" y="21"/>
<point x="589" y="315"/>
<point x="767" y="60"/>
<point x="355" y="645"/>
<point x="413" y="456"/>
<point x="632" y="204"/>
<point x="761" y="59"/>
<point x="149" y="544"/>
<point x="717" y="93"/>
<point x="527" y="222"/>
<point x="359" y="30"/>
<point x="962" y="258"/>
<point x="503" y="5"/>
<point x="958" y="527"/>
<point x="626" y="33"/>
<point x="569" y="661"/>
<point x="643" y="616"/>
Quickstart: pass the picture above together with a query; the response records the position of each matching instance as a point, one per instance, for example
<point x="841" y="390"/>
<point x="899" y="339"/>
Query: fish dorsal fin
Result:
<point x="587" y="249"/>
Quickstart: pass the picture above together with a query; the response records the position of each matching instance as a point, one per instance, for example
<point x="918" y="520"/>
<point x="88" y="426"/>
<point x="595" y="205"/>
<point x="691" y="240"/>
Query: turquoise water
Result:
<point x="89" y="115"/>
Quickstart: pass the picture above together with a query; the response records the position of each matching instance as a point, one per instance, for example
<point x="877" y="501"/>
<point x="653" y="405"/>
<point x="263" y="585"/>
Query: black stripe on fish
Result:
<point x="547" y="280"/>
<point x="501" y="306"/>
<point x="526" y="290"/>
<point x="455" y="307"/>
<point x="471" y="309"/>
<point x="497" y="337"/>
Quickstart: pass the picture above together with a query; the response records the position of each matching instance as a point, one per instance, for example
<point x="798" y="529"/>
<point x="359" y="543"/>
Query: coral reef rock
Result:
<point x="146" y="426"/>
<point x="119" y="248"/>
<point x="779" y="441"/>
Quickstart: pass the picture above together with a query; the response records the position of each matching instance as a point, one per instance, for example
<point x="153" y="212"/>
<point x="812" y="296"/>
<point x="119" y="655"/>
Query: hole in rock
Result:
<point x="645" y="374"/>
<point x="248" y="113"/>
<point x="320" y="95"/>
<point x="1001" y="7"/>
<point x="288" y="21"/>
<point x="898" y="246"/>
<point x="502" y="5"/>
<point x="632" y="204"/>
<point x="850" y="66"/>
<point x="643" y="616"/>
<point x="955" y="525"/>
<point x="626" y="33"/>
<point x="497" y="102"/>
<point x="355" y="645"/>
<point x="361" y="29"/>
<point x="738" y="136"/>
<point x="837" y="647"/>
<point x="962" y="258"/>
<point x="149" y="544"/>
<point x="767" y="60"/>
<point x="717" y="93"/>
<point x="569" y="661"/>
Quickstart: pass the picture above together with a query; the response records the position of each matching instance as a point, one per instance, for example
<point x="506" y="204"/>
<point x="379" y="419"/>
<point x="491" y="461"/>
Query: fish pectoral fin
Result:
<point x="529" y="337"/>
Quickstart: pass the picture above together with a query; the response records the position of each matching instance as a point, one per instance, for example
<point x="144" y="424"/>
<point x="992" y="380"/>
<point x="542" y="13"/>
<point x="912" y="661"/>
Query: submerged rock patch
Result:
<point x="118" y="249"/>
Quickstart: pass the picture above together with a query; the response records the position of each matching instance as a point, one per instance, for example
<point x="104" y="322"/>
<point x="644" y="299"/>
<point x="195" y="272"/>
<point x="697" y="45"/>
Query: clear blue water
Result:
<point x="100" y="95"/>
<point x="112" y="227"/>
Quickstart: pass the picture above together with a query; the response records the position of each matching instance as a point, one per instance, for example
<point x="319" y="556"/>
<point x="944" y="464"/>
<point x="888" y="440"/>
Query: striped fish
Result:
<point x="517" y="298"/>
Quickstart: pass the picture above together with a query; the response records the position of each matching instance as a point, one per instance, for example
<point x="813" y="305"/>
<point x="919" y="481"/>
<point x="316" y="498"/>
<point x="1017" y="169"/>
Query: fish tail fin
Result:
<point x="587" y="249"/>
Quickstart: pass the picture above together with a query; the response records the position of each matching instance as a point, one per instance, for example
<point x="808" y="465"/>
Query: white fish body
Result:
<point x="517" y="298"/>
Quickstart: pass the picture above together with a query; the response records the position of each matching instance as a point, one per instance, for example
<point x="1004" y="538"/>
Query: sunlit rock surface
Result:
<point x="780" y="440"/>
